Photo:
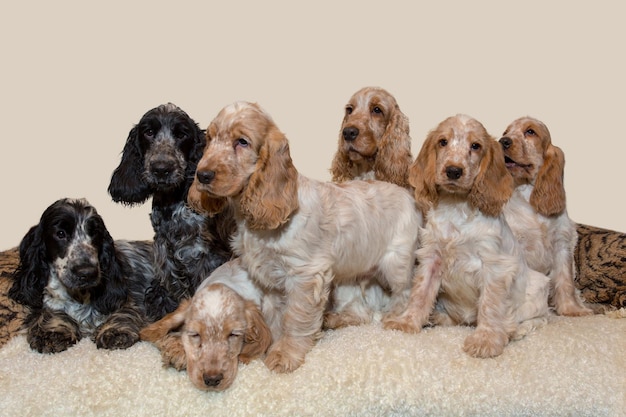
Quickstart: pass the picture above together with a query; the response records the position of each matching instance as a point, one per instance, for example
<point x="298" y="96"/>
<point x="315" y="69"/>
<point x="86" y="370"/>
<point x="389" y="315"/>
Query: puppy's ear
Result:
<point x="202" y="203"/>
<point x="394" y="151"/>
<point x="113" y="291"/>
<point x="31" y="275"/>
<point x="422" y="175"/>
<point x="258" y="336"/>
<point x="272" y="191"/>
<point x="340" y="166"/>
<point x="493" y="186"/>
<point x="127" y="185"/>
<point x="548" y="196"/>
<point x="172" y="322"/>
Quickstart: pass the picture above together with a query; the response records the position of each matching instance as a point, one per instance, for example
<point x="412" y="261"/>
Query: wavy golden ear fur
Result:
<point x="422" y="175"/>
<point x="394" y="151"/>
<point x="271" y="194"/>
<point x="548" y="196"/>
<point x="494" y="185"/>
<point x="258" y="336"/>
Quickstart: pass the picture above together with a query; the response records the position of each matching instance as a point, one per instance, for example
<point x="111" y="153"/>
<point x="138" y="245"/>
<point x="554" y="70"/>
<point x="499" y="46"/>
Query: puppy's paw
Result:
<point x="112" y="338"/>
<point x="51" y="342"/>
<point x="405" y="323"/>
<point x="485" y="343"/>
<point x="283" y="360"/>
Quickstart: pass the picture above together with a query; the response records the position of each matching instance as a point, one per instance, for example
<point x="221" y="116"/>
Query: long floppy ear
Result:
<point x="548" y="196"/>
<point x="494" y="184"/>
<point x="31" y="275"/>
<point x="202" y="203"/>
<point x="172" y="322"/>
<point x="258" y="337"/>
<point x="113" y="292"/>
<point x="422" y="175"/>
<point x="272" y="191"/>
<point x="394" y="151"/>
<point x="127" y="185"/>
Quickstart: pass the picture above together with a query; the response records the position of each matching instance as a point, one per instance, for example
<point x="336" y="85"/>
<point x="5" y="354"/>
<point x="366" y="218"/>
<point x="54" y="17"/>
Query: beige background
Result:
<point x="76" y="76"/>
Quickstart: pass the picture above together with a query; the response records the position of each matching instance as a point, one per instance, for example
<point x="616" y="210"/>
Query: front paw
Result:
<point x="112" y="338"/>
<point x="404" y="323"/>
<point x="282" y="360"/>
<point x="485" y="343"/>
<point x="51" y="342"/>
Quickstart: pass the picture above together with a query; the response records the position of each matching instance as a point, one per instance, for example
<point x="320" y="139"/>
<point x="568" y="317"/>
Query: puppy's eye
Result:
<point x="348" y="110"/>
<point x="235" y="334"/>
<point x="530" y="132"/>
<point x="61" y="234"/>
<point x="149" y="133"/>
<point x="475" y="146"/>
<point x="242" y="142"/>
<point x="443" y="142"/>
<point x="377" y="110"/>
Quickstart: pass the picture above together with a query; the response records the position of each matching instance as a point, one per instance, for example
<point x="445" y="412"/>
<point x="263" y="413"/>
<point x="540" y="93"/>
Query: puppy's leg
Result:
<point x="301" y="323"/>
<point x="423" y="295"/>
<point x="494" y="319"/>
<point x="565" y="296"/>
<point x="51" y="331"/>
<point x="121" y="329"/>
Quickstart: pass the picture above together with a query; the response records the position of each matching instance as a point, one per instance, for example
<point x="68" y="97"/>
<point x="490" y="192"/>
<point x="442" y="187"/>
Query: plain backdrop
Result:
<point x="76" y="76"/>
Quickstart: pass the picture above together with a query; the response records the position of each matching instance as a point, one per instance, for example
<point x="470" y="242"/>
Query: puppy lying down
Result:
<point x="210" y="333"/>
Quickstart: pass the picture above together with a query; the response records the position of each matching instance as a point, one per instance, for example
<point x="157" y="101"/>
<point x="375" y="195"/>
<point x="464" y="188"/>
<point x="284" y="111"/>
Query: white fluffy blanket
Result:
<point x="572" y="367"/>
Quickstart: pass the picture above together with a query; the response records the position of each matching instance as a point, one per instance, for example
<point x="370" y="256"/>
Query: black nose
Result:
<point x="87" y="272"/>
<point x="506" y="142"/>
<point x="161" y="169"/>
<point x="350" y="133"/>
<point x="212" y="380"/>
<point x="205" y="177"/>
<point x="454" y="173"/>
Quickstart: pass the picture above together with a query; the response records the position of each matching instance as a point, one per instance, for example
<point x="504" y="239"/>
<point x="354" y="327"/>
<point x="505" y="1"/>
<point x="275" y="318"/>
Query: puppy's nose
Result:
<point x="212" y="380"/>
<point x="205" y="177"/>
<point x="350" y="133"/>
<point x="506" y="142"/>
<point x="87" y="272"/>
<point x="162" y="168"/>
<point x="454" y="173"/>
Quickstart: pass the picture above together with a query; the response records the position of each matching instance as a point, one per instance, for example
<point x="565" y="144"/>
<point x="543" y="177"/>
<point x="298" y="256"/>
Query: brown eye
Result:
<point x="242" y="142"/>
<point x="149" y="133"/>
<point x="377" y="110"/>
<point x="530" y="132"/>
<point x="475" y="146"/>
<point x="348" y="110"/>
<point x="443" y="142"/>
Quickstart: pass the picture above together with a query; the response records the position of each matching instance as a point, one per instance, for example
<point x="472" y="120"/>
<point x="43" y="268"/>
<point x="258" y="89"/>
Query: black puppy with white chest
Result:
<point x="78" y="282"/>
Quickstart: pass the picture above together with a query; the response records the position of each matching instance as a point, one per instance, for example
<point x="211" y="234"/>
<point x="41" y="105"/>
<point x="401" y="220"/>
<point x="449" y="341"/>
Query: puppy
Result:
<point x="297" y="236"/>
<point x="212" y="332"/>
<point x="374" y="141"/>
<point x="471" y="264"/>
<point x="78" y="282"/>
<point x="159" y="161"/>
<point x="537" y="211"/>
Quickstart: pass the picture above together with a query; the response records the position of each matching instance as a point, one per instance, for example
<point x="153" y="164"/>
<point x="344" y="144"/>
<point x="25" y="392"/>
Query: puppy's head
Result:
<point x="247" y="158"/>
<point x="532" y="159"/>
<point x="160" y="155"/>
<point x="218" y="328"/>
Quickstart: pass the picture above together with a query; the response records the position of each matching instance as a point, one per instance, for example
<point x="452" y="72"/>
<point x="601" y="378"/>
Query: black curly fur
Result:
<point x="159" y="160"/>
<point x="77" y="281"/>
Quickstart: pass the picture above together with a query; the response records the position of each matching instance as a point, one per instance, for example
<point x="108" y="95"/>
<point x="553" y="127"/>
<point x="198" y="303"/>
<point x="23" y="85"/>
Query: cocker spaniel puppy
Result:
<point x="471" y="265"/>
<point x="78" y="282"/>
<point x="374" y="141"/>
<point x="216" y="329"/>
<point x="537" y="211"/>
<point x="296" y="236"/>
<point x="159" y="161"/>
